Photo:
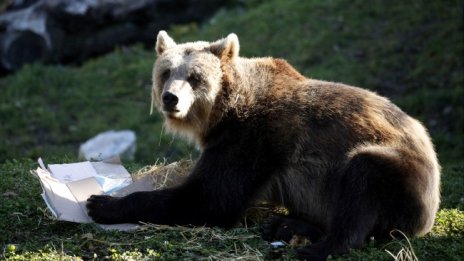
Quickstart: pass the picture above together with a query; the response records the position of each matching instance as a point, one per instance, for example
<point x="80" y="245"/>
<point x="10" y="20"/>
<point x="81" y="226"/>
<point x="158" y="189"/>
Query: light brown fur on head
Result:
<point x="179" y="63"/>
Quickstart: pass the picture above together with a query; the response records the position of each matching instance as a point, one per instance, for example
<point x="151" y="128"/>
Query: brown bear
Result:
<point x="347" y="163"/>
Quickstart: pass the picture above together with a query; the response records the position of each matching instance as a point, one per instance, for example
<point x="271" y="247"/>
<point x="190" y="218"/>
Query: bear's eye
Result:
<point x="194" y="80"/>
<point x="165" y="75"/>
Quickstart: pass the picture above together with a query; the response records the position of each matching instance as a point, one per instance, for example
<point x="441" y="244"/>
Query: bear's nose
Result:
<point x="170" y="100"/>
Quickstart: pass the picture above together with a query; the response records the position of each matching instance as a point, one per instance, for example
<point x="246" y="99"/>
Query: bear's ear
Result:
<point x="163" y="42"/>
<point x="226" y="48"/>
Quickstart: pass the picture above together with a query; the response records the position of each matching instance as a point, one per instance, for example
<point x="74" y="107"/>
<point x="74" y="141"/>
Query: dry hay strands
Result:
<point x="165" y="175"/>
<point x="406" y="253"/>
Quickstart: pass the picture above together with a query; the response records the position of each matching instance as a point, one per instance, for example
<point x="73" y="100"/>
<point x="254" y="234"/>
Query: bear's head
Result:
<point x="187" y="79"/>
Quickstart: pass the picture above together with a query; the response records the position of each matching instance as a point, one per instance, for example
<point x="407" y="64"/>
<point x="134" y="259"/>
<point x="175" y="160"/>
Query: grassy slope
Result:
<point x="50" y="110"/>
<point x="410" y="52"/>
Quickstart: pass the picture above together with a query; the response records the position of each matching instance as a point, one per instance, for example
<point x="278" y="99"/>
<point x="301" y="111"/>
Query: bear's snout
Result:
<point x="169" y="100"/>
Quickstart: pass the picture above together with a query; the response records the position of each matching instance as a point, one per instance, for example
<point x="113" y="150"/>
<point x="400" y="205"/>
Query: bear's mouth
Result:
<point x="169" y="110"/>
<point x="171" y="113"/>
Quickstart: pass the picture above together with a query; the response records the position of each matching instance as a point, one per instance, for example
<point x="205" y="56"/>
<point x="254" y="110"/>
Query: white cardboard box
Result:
<point x="66" y="187"/>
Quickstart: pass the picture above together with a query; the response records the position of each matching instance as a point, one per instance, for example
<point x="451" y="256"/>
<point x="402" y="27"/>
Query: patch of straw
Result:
<point x="195" y="239"/>
<point x="406" y="252"/>
<point x="165" y="175"/>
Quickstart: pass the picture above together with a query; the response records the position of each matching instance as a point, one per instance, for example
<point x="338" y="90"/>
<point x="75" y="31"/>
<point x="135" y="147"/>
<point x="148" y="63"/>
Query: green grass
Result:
<point x="28" y="227"/>
<point x="410" y="51"/>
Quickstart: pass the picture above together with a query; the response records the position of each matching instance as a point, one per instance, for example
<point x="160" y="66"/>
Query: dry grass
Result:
<point x="165" y="175"/>
<point x="406" y="253"/>
<point x="194" y="239"/>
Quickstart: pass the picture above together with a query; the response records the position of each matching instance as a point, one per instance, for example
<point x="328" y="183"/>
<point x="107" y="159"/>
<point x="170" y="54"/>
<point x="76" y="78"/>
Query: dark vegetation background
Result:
<point x="409" y="51"/>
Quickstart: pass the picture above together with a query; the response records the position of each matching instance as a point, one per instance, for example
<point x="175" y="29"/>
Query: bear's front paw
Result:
<point x="105" y="209"/>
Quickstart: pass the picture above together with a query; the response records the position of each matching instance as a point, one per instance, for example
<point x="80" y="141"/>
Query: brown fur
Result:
<point x="344" y="122"/>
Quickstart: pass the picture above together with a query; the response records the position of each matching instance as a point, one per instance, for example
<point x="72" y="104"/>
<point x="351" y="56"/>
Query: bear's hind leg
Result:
<point x="373" y="196"/>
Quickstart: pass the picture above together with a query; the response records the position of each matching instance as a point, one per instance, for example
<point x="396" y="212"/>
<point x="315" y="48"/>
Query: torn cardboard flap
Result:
<point x="66" y="187"/>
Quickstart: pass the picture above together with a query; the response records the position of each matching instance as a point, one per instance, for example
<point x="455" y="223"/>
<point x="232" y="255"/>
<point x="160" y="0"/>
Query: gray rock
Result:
<point x="109" y="144"/>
